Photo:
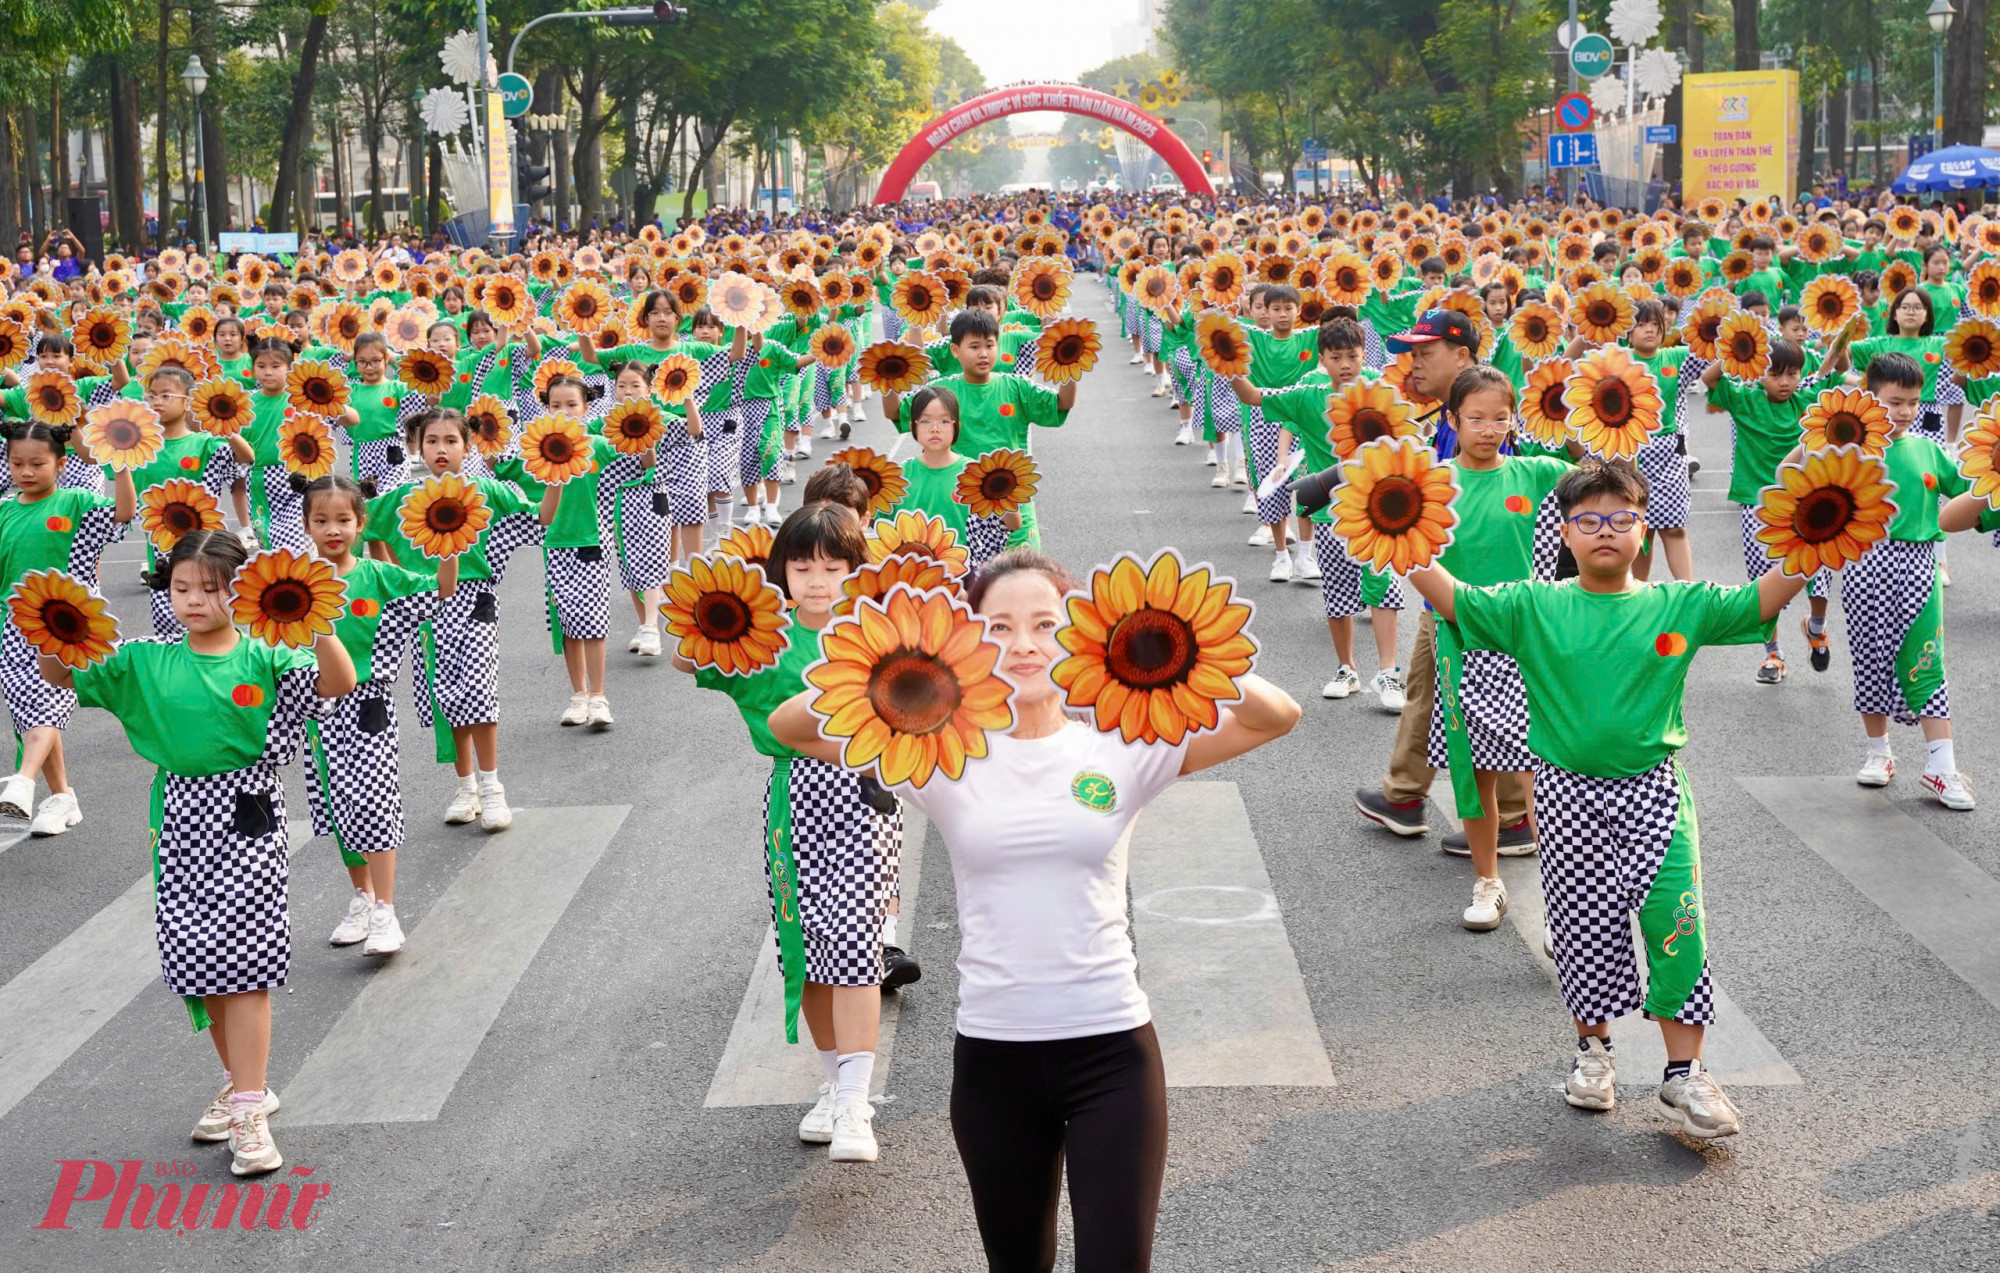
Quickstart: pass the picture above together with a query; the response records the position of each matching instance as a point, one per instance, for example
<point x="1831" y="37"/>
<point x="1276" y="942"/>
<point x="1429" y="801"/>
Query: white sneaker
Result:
<point x="354" y="925"/>
<point x="1388" y="686"/>
<point x="1186" y="435"/>
<point x="774" y="516"/>
<point x="17" y="797"/>
<point x="788" y="472"/>
<point x="1952" y="791"/>
<point x="1221" y="480"/>
<point x="1241" y="477"/>
<point x="805" y="448"/>
<point x="816" y="1128"/>
<point x="464" y="807"/>
<point x="600" y="711"/>
<point x="1281" y="565"/>
<point x="1249" y="504"/>
<point x="247" y="536"/>
<point x="1213" y="460"/>
<point x="1159" y="391"/>
<point x="494" y="815"/>
<point x="1260" y="538"/>
<point x="578" y="710"/>
<point x="385" y="931"/>
<point x="856" y="415"/>
<point x="753" y="515"/>
<point x="1345" y="681"/>
<point x="1137" y="360"/>
<point x="832" y="428"/>
<point x="250" y="1143"/>
<point x="1593" y="1076"/>
<point x="1489" y="903"/>
<point x="647" y="643"/>
<point x="1878" y="769"/>
<point x="60" y="812"/>
<point x="1305" y="565"/>
<point x="214" y="1124"/>
<point x="853" y="1133"/>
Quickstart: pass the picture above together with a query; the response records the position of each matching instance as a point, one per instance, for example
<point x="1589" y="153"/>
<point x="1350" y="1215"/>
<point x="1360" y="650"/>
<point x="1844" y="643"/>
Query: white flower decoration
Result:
<point x="1635" y="22"/>
<point x="444" y="111"/>
<point x="1607" y="94"/>
<point x="460" y="58"/>
<point x="1657" y="71"/>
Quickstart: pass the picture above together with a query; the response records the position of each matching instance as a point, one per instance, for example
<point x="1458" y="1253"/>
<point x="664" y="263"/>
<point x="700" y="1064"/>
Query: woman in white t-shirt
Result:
<point x="1056" y="1056"/>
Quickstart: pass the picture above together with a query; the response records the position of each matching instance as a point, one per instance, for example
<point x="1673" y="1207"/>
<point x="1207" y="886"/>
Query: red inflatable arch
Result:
<point x="1071" y="99"/>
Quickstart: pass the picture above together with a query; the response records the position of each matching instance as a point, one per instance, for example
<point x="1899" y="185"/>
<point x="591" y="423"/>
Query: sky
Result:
<point x="1034" y="39"/>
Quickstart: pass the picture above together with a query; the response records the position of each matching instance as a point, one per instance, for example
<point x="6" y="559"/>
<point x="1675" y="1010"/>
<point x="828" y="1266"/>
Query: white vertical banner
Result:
<point x="499" y="168"/>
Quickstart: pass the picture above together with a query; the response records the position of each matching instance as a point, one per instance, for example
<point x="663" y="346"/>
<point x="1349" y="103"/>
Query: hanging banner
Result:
<point x="499" y="168"/>
<point x="1741" y="135"/>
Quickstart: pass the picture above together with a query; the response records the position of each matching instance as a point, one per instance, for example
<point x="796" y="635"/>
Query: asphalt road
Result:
<point x="562" y="1124"/>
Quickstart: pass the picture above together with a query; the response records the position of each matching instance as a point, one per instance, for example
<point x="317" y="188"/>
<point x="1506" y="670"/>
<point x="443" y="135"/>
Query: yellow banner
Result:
<point x="499" y="167"/>
<point x="1740" y="135"/>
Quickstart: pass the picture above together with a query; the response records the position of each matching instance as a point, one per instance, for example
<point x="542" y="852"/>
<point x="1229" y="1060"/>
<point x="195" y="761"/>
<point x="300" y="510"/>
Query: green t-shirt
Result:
<point x="1765" y="432"/>
<point x="1494" y="541"/>
<point x="184" y="458"/>
<point x="771" y="364"/>
<point x="994" y="415"/>
<point x="42" y="535"/>
<point x="1665" y="366"/>
<point x="372" y="586"/>
<point x="385" y="526"/>
<point x="575" y="524"/>
<point x="759" y="695"/>
<point x="1606" y="672"/>
<point x="267" y="414"/>
<point x="14" y="401"/>
<point x="1771" y="282"/>
<point x="1923" y="474"/>
<point x="1927" y="351"/>
<point x="192" y="714"/>
<point x="1280" y="363"/>
<point x="377" y="405"/>
<point x="934" y="492"/>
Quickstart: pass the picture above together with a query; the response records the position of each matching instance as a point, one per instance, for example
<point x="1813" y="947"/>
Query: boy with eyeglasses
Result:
<point x="1604" y="659"/>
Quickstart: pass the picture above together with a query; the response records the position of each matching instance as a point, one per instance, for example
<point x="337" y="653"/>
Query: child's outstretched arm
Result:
<point x="336" y="666"/>
<point x="1776" y="590"/>
<point x="1439" y="587"/>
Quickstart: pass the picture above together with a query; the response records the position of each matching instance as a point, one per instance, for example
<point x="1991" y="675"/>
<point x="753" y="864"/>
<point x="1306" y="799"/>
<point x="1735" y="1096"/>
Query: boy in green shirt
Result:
<point x="1615" y="813"/>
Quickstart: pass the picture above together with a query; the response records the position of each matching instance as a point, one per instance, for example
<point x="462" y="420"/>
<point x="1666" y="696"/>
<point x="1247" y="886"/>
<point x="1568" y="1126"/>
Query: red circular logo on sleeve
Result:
<point x="1519" y="504"/>
<point x="1670" y="645"/>
<point x="190" y="462"/>
<point x="1930" y="481"/>
<point x="58" y="523"/>
<point x="247" y="696"/>
<point x="1670" y="371"/>
<point x="1006" y="408"/>
<point x="464" y="378"/>
<point x="1305" y="355"/>
<point x="1007" y="358"/>
<point x="365" y="607"/>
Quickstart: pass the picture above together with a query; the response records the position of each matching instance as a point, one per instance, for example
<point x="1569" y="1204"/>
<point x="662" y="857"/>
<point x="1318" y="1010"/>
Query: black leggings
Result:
<point x="1017" y="1109"/>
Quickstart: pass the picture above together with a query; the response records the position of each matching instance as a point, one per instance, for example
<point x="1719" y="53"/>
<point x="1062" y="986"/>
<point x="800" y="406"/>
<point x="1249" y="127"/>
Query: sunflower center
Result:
<point x="722" y="616"/>
<point x="1552" y="403"/>
<point x="1068" y="350"/>
<point x="1743" y="347"/>
<point x="1844" y="428"/>
<point x="287" y="600"/>
<point x="179" y="518"/>
<point x="445" y="515"/>
<point x="1829" y="305"/>
<point x="912" y="692"/>
<point x="1150" y="649"/>
<point x="1612" y="400"/>
<point x="557" y="450"/>
<point x="1824" y="513"/>
<point x="999" y="484"/>
<point x="1395" y="504"/>
<point x="66" y="622"/>
<point x="1976" y="351"/>
<point x="869" y="479"/>
<point x="1601" y="314"/>
<point x="121" y="434"/>
<point x="1369" y="424"/>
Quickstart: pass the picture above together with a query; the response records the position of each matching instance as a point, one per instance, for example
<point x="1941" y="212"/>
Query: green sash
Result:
<point x="785" y="890"/>
<point x="156" y="816"/>
<point x="348" y="857"/>
<point x="1920" y="658"/>
<point x="1457" y="740"/>
<point x="549" y="600"/>
<point x="447" y="746"/>
<point x="260" y="504"/>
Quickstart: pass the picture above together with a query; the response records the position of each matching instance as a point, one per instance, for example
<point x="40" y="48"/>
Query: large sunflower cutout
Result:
<point x="1536" y="330"/>
<point x="873" y="581"/>
<point x="443" y="515"/>
<point x="832" y="346"/>
<point x="422" y="371"/>
<point x="634" y="427"/>
<point x="890" y="366"/>
<point x="725" y="615"/>
<point x="1829" y="303"/>
<point x="316" y="388"/>
<point x="1743" y="346"/>
<point x="62" y="619"/>
<point x="287" y="597"/>
<point x="1544" y="414"/>
<point x="305" y="445"/>
<point x="492" y="424"/>
<point x="1973" y="346"/>
<point x="1979" y="453"/>
<point x="1614" y="403"/>
<point x="1041" y="285"/>
<point x="998" y="482"/>
<point x="676" y="378"/>
<point x="124" y="434"/>
<point x="1067" y="349"/>
<point x="881" y="475"/>
<point x="1824" y="511"/>
<point x="1363" y="412"/>
<point x="1393" y="508"/>
<point x="52" y="398"/>
<point x="920" y="298"/>
<point x="176" y="508"/>
<point x="746" y="543"/>
<point x="1845" y="417"/>
<point x="1222" y="344"/>
<point x="556" y="448"/>
<point x="221" y="406"/>
<point x="913" y="532"/>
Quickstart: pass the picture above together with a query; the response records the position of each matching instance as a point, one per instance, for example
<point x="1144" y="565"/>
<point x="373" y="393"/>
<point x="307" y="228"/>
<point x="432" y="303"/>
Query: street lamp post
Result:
<point x="196" y="80"/>
<point x="1940" y="16"/>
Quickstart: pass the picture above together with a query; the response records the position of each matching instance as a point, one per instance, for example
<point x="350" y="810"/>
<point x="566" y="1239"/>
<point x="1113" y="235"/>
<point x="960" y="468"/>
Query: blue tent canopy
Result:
<point x="1953" y="168"/>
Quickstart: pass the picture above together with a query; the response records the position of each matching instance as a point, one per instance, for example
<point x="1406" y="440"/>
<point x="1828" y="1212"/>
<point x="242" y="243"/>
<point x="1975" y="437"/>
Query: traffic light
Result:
<point x="531" y="180"/>
<point x="662" y="13"/>
<point x="1207" y="158"/>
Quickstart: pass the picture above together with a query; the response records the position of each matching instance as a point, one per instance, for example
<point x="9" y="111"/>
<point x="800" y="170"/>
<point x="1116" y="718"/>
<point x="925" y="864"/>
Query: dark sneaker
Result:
<point x="899" y="969"/>
<point x="1517" y="841"/>
<point x="1772" y="671"/>
<point x="1822" y="653"/>
<point x="1403" y="819"/>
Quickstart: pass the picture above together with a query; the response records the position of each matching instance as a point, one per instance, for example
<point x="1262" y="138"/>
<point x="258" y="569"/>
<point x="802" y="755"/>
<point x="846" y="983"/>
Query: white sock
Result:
<point x="829" y="1060"/>
<point x="1297" y="548"/>
<point x="1941" y="759"/>
<point x="889" y="930"/>
<point x="466" y="782"/>
<point x="381" y="905"/>
<point x="1879" y="746"/>
<point x="488" y="779"/>
<point x="1283" y="555"/>
<point x="724" y="510"/>
<point x="857" y="1071"/>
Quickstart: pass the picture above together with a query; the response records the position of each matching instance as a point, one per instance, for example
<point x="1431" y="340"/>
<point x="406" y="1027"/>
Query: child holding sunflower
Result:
<point x="44" y="526"/>
<point x="764" y="376"/>
<point x="186" y="456"/>
<point x="274" y="505"/>
<point x="933" y="477"/>
<point x="353" y="778"/>
<point x="648" y="543"/>
<point x="458" y="686"/>
<point x="1910" y="328"/>
<point x="1279" y="359"/>
<point x="825" y="842"/>
<point x="221" y="715"/>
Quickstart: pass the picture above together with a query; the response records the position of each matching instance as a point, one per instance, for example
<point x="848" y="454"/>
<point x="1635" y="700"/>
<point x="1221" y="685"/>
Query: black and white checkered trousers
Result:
<point x="1667" y="499"/>
<point x="1494" y="703"/>
<point x="1756" y="561"/>
<point x="1882" y="595"/>
<point x="361" y="800"/>
<point x="1343" y="580"/>
<point x="579" y="593"/>
<point x="1277" y="506"/>
<point x="847" y="857"/>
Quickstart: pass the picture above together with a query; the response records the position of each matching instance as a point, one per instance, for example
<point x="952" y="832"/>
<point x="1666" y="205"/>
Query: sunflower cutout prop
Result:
<point x="1042" y="286"/>
<point x="1974" y="347"/>
<point x="1614" y="403"/>
<point x="491" y="423"/>
<point x="102" y="336"/>
<point x="1845" y="417"/>
<point x="1601" y="313"/>
<point x="1703" y="325"/>
<point x="924" y="535"/>
<point x="1156" y="288"/>
<point x="634" y="427"/>
<point x="506" y="301"/>
<point x="344" y="324"/>
<point x="1682" y="278"/>
<point x="13" y="343"/>
<point x="1067" y="349"/>
<point x="881" y="475"/>
<point x="1222" y="280"/>
<point x="748" y="543"/>
<point x="1829" y="302"/>
<point x="351" y="266"/>
<point x="676" y="378"/>
<point x="1154" y="650"/>
<point x="1743" y="346"/>
<point x="736" y="300"/>
<point x="908" y="684"/>
<point x="444" y="515"/>
<point x="801" y="297"/>
<point x="556" y="448"/>
<point x="123" y="434"/>
<point x="1544" y="414"/>
<point x="1979" y="454"/>
<point x="1394" y="505"/>
<point x="62" y="619"/>
<point x="1824" y="511"/>
<point x="725" y="615"/>
<point x="1222" y="345"/>
<point x="175" y="508"/>
<point x="997" y="483"/>
<point x="832" y="346"/>
<point x="422" y="371"/>
<point x="1904" y="222"/>
<point x="52" y="398"/>
<point x="1536" y="330"/>
<point x="405" y="328"/>
<point x="691" y="290"/>
<point x="1898" y="277"/>
<point x="1982" y="287"/>
<point x="873" y="581"/>
<point x="288" y="598"/>
<point x="221" y="406"/>
<point x="305" y="445"/>
<point x="549" y="370"/>
<point x="1365" y="411"/>
<point x="833" y="290"/>
<point x="891" y="366"/>
<point x="315" y="388"/>
<point x="1817" y="243"/>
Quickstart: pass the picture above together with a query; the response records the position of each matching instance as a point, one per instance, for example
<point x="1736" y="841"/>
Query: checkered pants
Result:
<point x="1374" y="352"/>
<point x="1182" y="365"/>
<point x="847" y="858"/>
<point x="360" y="799"/>
<point x="1756" y="561"/>
<point x="1882" y="595"/>
<point x="378" y="460"/>
<point x="751" y="468"/>
<point x="464" y="648"/>
<point x="283" y="523"/>
<point x="221" y="913"/>
<point x="685" y="469"/>
<point x="161" y="602"/>
<point x="1152" y="333"/>
<point x="1611" y="846"/>
<point x="31" y="701"/>
<point x="1494" y="702"/>
<point x="829" y="386"/>
<point x="723" y="439"/>
<point x="1666" y="474"/>
<point x="1277" y="506"/>
<point x="579" y="593"/>
<point x="1224" y="410"/>
<point x="1345" y="585"/>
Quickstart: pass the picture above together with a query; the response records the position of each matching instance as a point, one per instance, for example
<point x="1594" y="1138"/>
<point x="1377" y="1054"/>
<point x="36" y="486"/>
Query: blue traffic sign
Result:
<point x="1662" y="134"/>
<point x="1573" y="112"/>
<point x="1312" y="150"/>
<point x="1573" y="150"/>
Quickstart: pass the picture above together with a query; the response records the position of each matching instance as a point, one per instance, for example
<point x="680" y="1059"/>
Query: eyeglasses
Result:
<point x="1592" y="523"/>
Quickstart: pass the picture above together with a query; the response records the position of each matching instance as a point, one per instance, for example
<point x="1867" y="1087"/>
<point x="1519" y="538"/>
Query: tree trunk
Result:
<point x="375" y="220"/>
<point x="588" y="157"/>
<point x="10" y="213"/>
<point x="1875" y="110"/>
<point x="31" y="176"/>
<point x="128" y="171"/>
<point x="298" y="124"/>
<point x="433" y="173"/>
<point x="707" y="139"/>
<point x="1836" y="130"/>
<point x="1746" y="33"/>
<point x="214" y="148"/>
<point x="1965" y="71"/>
<point x="58" y="157"/>
<point x="165" y="193"/>
<point x="554" y="146"/>
<point x="1808" y="126"/>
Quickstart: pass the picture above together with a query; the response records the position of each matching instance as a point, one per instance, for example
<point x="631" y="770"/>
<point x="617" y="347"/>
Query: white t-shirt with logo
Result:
<point x="1036" y="836"/>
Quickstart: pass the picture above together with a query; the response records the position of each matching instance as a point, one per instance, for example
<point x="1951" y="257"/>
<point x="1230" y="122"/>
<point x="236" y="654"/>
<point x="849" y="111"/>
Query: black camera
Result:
<point x="1315" y="491"/>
